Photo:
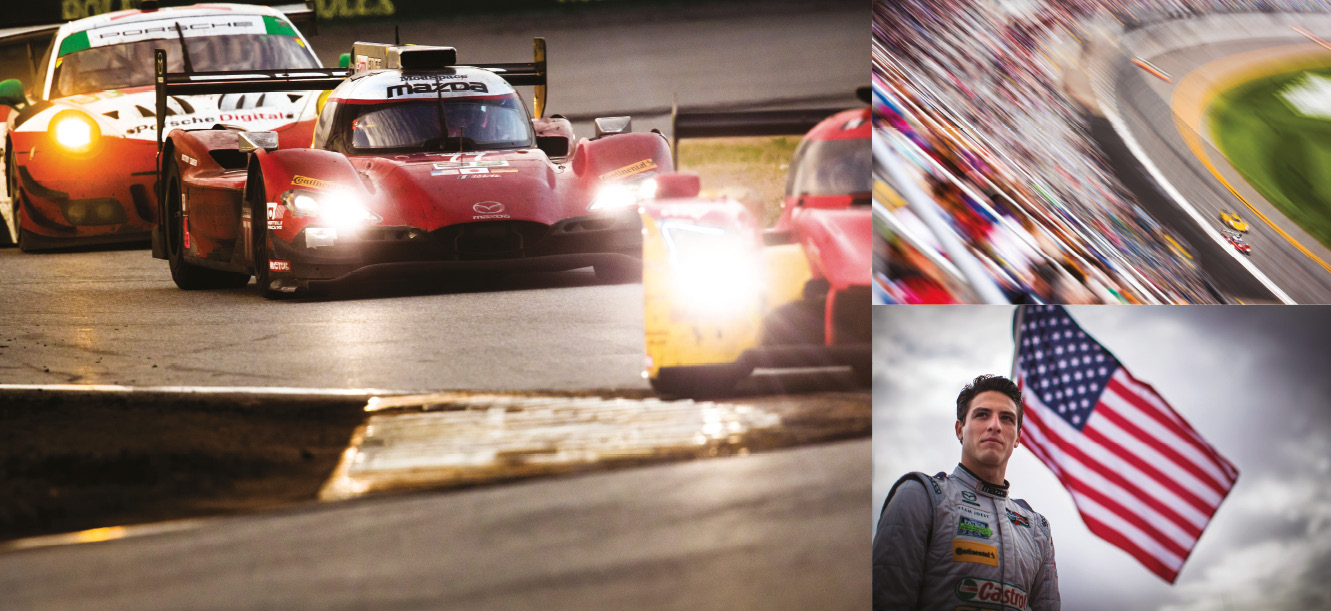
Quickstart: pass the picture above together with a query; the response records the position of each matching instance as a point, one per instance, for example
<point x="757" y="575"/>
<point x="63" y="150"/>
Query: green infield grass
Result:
<point x="1277" y="132"/>
<point x="751" y="170"/>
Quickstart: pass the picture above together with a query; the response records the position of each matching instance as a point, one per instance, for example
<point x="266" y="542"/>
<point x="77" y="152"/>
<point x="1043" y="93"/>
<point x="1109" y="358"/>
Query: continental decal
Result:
<point x="629" y="170"/>
<point x="306" y="181"/>
<point x="970" y="551"/>
<point x="971" y="589"/>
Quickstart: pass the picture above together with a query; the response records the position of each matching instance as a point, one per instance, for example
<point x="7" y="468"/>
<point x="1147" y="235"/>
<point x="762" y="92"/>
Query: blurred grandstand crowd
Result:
<point x="1018" y="203"/>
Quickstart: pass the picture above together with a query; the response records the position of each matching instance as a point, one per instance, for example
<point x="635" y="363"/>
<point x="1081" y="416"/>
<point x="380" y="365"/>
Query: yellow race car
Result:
<point x="1233" y="221"/>
<point x="724" y="295"/>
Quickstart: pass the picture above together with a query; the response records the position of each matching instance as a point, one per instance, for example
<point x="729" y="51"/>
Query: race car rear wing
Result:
<point x="242" y="81"/>
<point x="704" y="124"/>
<point x="693" y="124"/>
<point x="375" y="56"/>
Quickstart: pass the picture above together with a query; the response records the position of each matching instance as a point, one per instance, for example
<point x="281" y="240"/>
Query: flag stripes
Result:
<point x="1139" y="474"/>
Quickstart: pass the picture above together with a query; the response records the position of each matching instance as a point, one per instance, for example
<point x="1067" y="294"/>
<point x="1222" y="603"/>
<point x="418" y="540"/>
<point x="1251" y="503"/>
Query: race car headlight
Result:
<point x="332" y="208"/>
<point x="74" y="131"/>
<point x="713" y="271"/>
<point x="622" y="194"/>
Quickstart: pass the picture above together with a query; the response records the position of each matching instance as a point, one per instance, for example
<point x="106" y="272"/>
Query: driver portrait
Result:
<point x="959" y="540"/>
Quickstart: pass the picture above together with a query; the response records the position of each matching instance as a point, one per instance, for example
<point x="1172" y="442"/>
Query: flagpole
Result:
<point x="1016" y="337"/>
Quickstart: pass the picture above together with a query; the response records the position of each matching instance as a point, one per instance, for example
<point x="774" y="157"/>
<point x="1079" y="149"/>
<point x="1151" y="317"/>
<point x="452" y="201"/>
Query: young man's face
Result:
<point x="989" y="433"/>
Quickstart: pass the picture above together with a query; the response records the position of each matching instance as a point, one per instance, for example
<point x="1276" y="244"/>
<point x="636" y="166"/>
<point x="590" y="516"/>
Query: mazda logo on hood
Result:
<point x="488" y="208"/>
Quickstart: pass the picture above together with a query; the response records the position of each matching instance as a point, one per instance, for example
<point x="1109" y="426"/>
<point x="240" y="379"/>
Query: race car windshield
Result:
<point x="831" y="167"/>
<point x="479" y="123"/>
<point x="131" y="64"/>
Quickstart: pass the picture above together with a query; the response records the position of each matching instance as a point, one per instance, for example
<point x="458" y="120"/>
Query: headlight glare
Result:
<point x="714" y="272"/>
<point x="74" y="131"/>
<point x="337" y="209"/>
<point x="622" y="194"/>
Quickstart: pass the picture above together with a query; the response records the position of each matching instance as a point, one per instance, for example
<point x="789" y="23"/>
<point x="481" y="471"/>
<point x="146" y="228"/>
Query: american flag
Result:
<point x="1141" y="477"/>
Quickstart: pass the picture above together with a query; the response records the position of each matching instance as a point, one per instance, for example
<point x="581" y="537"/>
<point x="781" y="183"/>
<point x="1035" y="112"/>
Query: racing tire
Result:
<point x="186" y="275"/>
<point x="259" y="237"/>
<point x="618" y="274"/>
<point x="24" y="242"/>
<point x="698" y="381"/>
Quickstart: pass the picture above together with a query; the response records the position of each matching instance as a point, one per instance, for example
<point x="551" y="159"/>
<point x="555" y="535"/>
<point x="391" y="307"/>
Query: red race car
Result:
<point x="417" y="162"/>
<point x="80" y="157"/>
<point x="1236" y="240"/>
<point x="722" y="295"/>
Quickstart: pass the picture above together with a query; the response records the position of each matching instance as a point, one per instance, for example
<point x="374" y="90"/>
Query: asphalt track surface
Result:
<point x="767" y="531"/>
<point x="1144" y="103"/>
<point x="115" y="317"/>
<point x="780" y="529"/>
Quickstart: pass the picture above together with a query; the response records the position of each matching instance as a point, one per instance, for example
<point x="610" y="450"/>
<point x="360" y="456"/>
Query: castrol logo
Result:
<point x="988" y="591"/>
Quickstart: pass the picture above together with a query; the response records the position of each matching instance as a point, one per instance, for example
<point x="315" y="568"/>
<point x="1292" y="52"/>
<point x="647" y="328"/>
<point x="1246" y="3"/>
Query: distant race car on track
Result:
<point x="417" y="162"/>
<point x="80" y="156"/>
<point x="1233" y="221"/>
<point x="1237" y="242"/>
<point x="722" y="295"/>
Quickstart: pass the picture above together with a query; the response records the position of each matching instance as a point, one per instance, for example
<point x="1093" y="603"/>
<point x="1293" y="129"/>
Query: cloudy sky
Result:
<point x="1254" y="381"/>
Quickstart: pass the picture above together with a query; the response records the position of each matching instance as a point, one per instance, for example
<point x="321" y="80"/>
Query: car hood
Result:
<point x="433" y="190"/>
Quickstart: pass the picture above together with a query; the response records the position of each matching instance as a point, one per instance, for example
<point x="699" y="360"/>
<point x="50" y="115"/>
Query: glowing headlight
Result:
<point x="75" y="131"/>
<point x="621" y="194"/>
<point x="333" y="208"/>
<point x="713" y="270"/>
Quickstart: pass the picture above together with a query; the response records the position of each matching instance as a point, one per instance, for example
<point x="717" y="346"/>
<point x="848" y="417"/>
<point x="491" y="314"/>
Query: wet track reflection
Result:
<point x="456" y="439"/>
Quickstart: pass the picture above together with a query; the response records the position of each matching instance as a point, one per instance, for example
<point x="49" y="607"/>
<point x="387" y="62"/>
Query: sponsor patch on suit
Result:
<point x="970" y="551"/>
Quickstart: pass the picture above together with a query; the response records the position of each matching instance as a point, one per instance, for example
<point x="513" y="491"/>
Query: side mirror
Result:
<point x="675" y="185"/>
<point x="253" y="141"/>
<point x="11" y="94"/>
<point x="609" y="126"/>
<point x="553" y="146"/>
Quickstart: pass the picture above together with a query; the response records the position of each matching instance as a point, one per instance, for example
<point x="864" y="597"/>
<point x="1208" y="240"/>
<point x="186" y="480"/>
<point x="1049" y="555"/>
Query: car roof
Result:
<point x="197" y="20"/>
<point x="460" y="81"/>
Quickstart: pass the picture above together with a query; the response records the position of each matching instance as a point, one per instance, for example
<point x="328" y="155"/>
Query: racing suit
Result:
<point x="958" y="542"/>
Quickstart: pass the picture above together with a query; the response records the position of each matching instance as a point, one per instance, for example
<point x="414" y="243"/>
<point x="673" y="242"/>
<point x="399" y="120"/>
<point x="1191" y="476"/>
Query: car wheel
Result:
<point x="698" y="381"/>
<point x="615" y="273"/>
<point x="186" y="275"/>
<point x="262" y="253"/>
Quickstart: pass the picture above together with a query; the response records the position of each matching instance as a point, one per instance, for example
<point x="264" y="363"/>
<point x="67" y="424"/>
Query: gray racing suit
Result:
<point x="958" y="542"/>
